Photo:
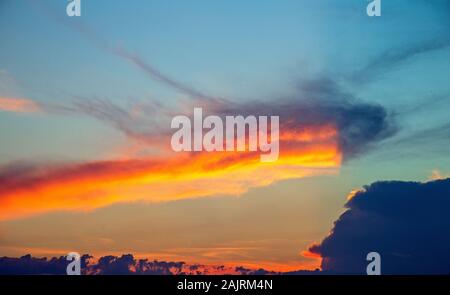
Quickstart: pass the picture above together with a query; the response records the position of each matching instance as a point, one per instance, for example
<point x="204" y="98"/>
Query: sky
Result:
<point x="86" y="104"/>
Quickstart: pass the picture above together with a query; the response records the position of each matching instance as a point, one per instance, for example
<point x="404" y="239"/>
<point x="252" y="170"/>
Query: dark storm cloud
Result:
<point x="106" y="265"/>
<point x="407" y="223"/>
<point x="128" y="265"/>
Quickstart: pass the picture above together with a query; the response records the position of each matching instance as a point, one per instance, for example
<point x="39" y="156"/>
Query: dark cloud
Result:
<point x="246" y="271"/>
<point x="360" y="124"/>
<point x="28" y="265"/>
<point x="159" y="267"/>
<point x="407" y="223"/>
<point x="113" y="265"/>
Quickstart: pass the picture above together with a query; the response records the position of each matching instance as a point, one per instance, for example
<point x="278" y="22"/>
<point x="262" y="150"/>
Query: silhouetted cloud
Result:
<point x="28" y="265"/>
<point x="407" y="223"/>
<point x="246" y="271"/>
<point x="115" y="265"/>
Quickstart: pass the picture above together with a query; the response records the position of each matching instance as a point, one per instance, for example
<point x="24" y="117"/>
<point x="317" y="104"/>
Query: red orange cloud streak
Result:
<point x="306" y="152"/>
<point x="18" y="105"/>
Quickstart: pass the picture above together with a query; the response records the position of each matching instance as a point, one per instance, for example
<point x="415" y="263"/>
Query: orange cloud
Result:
<point x="306" y="152"/>
<point x="437" y="175"/>
<point x="18" y="105"/>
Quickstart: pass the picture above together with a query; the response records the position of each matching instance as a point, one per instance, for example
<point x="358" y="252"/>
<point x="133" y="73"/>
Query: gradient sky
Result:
<point x="257" y="50"/>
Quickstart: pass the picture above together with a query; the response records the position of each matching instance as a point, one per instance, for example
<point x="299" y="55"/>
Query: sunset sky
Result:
<point x="86" y="104"/>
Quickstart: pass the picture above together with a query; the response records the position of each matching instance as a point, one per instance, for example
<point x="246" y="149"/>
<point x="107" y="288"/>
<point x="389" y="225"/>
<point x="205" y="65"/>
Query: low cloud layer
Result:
<point x="407" y="223"/>
<point x="115" y="265"/>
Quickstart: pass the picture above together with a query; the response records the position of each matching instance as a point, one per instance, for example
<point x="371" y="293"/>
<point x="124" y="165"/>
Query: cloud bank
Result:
<point x="405" y="222"/>
<point x="116" y="265"/>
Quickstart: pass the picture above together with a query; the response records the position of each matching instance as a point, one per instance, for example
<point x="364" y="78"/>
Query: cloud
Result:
<point x="318" y="102"/>
<point x="395" y="57"/>
<point x="101" y="43"/>
<point x="436" y="134"/>
<point x="405" y="222"/>
<point x="28" y="265"/>
<point x="157" y="75"/>
<point x="317" y="133"/>
<point x="321" y="126"/>
<point x="18" y="105"/>
<point x="359" y="124"/>
<point x="27" y="189"/>
<point x="115" y="265"/>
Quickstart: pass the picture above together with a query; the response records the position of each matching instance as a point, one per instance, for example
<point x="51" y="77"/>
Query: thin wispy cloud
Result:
<point x="18" y="105"/>
<point x="123" y="53"/>
<point x="396" y="57"/>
